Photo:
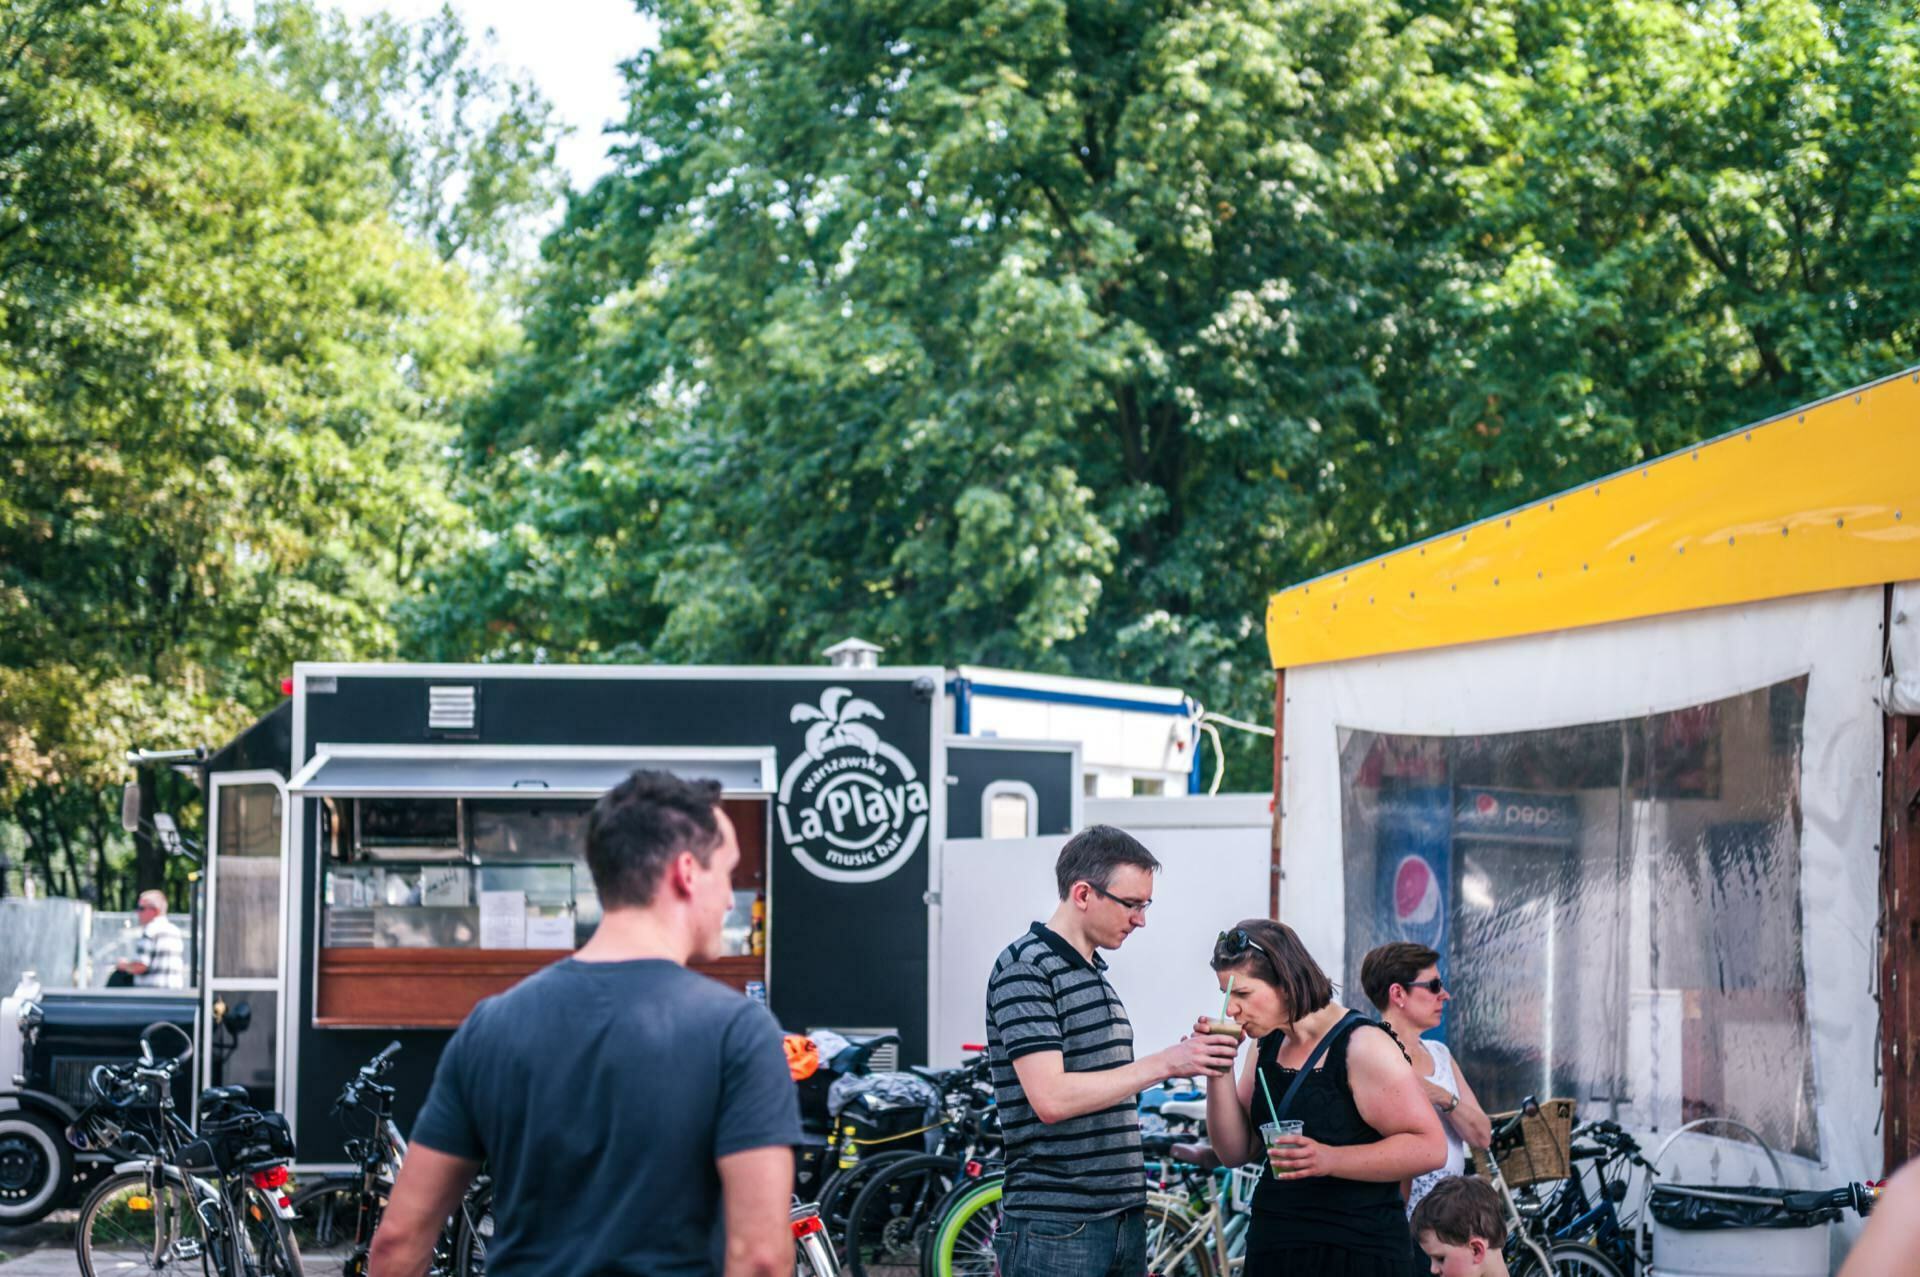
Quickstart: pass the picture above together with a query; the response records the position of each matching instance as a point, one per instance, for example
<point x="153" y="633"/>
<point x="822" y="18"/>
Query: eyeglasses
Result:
<point x="1131" y="906"/>
<point x="1434" y="986"/>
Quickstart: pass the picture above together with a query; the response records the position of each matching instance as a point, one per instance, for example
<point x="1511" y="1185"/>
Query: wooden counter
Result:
<point x="437" y="988"/>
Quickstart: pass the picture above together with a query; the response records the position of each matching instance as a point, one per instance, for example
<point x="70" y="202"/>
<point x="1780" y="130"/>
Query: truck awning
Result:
<point x="513" y="771"/>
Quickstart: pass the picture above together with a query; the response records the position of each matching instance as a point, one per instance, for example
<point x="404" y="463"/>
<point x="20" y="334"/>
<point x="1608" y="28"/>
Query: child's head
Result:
<point x="1458" y="1225"/>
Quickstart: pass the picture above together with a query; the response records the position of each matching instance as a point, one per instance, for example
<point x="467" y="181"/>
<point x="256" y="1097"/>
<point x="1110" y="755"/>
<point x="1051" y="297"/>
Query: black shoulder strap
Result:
<point x="1333" y="1035"/>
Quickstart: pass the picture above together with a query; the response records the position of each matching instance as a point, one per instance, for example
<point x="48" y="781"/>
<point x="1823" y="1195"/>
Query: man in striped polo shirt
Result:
<point x="1063" y="1069"/>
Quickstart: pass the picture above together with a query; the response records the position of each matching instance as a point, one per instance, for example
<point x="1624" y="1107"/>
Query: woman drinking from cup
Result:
<point x="1331" y="1204"/>
<point x="1403" y="981"/>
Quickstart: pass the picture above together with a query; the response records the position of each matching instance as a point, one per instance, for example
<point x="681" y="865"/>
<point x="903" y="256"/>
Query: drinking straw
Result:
<point x="1273" y="1112"/>
<point x="1226" y="997"/>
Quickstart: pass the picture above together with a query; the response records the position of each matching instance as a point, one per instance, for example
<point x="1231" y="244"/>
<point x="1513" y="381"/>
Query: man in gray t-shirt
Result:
<point x="624" y="1105"/>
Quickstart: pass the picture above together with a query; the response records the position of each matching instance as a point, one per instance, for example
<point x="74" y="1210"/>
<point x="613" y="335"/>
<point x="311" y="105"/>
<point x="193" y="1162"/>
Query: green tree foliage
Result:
<point x="227" y="376"/>
<point x="1060" y="333"/>
<point x="468" y="146"/>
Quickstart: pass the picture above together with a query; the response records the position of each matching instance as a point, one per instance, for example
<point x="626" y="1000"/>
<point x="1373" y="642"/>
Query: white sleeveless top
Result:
<point x="1447" y="1080"/>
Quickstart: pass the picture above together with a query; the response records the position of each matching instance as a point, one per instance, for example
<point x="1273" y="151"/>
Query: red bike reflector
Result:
<point x="973" y="1046"/>
<point x="807" y="1225"/>
<point x="974" y="1169"/>
<point x="264" y="1180"/>
<point x="286" y="1202"/>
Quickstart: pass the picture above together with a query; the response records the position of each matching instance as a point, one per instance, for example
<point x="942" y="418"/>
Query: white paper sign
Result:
<point x="550" y="932"/>
<point x="444" y="885"/>
<point x="503" y="920"/>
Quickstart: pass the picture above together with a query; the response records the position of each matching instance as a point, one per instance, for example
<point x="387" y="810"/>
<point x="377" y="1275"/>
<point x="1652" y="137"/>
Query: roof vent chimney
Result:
<point x="854" y="654"/>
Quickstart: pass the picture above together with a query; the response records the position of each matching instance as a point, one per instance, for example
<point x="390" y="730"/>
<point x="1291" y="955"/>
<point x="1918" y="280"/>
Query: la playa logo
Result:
<point x="851" y="807"/>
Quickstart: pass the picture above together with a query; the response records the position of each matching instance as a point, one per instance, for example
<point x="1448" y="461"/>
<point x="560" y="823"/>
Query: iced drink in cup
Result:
<point x="1270" y="1132"/>
<point x="1227" y="1028"/>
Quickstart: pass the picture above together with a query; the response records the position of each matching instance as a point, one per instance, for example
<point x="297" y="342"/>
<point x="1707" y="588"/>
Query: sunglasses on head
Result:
<point x="1435" y="985"/>
<point x="1235" y="944"/>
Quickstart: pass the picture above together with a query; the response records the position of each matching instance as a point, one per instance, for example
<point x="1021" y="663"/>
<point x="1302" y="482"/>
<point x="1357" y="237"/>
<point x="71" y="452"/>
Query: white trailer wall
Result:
<point x="1620" y="671"/>
<point x="1217" y="856"/>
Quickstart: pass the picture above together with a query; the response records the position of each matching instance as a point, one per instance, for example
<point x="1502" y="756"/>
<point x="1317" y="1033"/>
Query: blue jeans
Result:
<point x="1115" y="1246"/>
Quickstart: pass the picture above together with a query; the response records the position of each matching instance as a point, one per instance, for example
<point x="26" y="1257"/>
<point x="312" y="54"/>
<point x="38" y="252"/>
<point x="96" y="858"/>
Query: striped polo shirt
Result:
<point x="1043" y="996"/>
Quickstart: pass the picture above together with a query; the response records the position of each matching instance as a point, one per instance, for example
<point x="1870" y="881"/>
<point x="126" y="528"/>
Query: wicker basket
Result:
<point x="1542" y="1155"/>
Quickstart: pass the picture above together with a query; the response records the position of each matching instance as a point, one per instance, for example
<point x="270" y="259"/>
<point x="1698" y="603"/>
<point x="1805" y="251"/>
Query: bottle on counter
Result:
<point x="757" y="937"/>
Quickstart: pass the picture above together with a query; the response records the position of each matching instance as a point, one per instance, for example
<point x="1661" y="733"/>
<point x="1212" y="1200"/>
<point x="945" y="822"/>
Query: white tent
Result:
<point x="1621" y="756"/>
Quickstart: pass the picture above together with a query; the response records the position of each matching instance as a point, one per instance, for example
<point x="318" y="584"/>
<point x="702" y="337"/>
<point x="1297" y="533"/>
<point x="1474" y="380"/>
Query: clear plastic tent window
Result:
<point x="1616" y="905"/>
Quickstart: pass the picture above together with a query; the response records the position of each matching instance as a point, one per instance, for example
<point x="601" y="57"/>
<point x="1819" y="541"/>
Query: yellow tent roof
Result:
<point x="1818" y="498"/>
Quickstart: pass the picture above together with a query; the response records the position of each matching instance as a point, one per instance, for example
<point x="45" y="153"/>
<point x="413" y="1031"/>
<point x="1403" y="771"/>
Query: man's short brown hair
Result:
<point x="1392" y="964"/>
<point x="1459" y="1209"/>
<point x="640" y="825"/>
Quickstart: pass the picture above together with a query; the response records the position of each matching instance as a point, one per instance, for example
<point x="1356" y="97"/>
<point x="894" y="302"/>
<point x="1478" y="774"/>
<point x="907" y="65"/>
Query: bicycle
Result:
<point x="812" y="1253"/>
<point x="885" y="1225"/>
<point x="215" y="1196"/>
<point x="1200" y="1230"/>
<point x="1570" y="1213"/>
<point x="335" y="1218"/>
<point x="1530" y="1251"/>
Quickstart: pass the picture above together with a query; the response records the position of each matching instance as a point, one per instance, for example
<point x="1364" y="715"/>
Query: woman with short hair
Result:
<point x="1403" y="981"/>
<point x="1330" y="1204"/>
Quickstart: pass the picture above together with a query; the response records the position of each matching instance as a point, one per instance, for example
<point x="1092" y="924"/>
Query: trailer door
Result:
<point x="246" y="911"/>
<point x="1012" y="789"/>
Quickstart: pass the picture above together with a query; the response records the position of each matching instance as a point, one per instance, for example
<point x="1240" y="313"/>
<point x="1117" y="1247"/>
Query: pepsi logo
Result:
<point x="1416" y="893"/>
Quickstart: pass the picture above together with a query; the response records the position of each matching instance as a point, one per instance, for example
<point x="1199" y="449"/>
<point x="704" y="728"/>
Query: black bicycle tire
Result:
<point x="852" y="1178"/>
<point x="469" y="1236"/>
<point x="1590" y="1262"/>
<point x="913" y="1164"/>
<point x="348" y="1186"/>
<point x="279" y="1231"/>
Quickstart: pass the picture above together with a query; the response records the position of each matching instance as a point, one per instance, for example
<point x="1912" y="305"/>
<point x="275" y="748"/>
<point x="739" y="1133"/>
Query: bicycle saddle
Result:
<point x="214" y="1096"/>
<point x="1192" y="1110"/>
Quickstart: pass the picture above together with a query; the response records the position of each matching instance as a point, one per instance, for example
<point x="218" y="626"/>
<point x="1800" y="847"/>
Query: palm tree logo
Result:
<point x="837" y="722"/>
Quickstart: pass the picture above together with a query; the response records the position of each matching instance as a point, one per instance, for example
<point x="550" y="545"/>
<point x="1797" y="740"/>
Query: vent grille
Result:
<point x="453" y="708"/>
<point x="72" y="1076"/>
<point x="884" y="1060"/>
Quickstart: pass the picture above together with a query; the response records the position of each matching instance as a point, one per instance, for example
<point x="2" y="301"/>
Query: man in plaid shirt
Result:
<point x="160" y="957"/>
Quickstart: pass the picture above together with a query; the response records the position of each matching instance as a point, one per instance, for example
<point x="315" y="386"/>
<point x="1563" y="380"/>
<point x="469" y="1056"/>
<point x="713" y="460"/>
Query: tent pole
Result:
<point x="1279" y="761"/>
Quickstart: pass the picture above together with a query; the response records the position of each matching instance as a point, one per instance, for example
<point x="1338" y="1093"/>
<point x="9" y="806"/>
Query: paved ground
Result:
<point x="44" y="1249"/>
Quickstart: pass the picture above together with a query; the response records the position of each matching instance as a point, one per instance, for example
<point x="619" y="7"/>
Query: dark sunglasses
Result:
<point x="1131" y="906"/>
<point x="1435" y="985"/>
<point x="1231" y="946"/>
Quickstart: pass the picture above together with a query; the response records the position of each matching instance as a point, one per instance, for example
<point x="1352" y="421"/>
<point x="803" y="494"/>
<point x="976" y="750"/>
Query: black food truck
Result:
<point x="395" y="842"/>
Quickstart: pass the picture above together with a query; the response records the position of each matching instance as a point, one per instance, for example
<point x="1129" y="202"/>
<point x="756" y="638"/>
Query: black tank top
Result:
<point x="1324" y="1211"/>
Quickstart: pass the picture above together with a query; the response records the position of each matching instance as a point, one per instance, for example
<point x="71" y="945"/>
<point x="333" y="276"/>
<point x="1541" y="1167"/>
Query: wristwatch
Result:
<point x="1452" y="1105"/>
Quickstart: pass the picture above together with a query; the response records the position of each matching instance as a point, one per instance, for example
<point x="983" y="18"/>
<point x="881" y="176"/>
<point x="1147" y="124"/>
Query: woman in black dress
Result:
<point x="1330" y="1206"/>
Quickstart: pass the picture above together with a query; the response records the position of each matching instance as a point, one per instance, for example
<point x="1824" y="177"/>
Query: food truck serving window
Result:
<point x="447" y="874"/>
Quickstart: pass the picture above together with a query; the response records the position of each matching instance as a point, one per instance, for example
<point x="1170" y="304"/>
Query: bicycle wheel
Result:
<point x="1570" y="1259"/>
<point x="1177" y="1246"/>
<point x="962" y="1243"/>
<point x="472" y="1227"/>
<point x="129" y="1224"/>
<point x="843" y="1186"/>
<point x="333" y="1222"/>
<point x="892" y="1214"/>
<point x="267" y="1247"/>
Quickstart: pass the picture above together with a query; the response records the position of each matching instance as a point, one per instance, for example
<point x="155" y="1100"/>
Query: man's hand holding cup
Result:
<point x="1209" y="1052"/>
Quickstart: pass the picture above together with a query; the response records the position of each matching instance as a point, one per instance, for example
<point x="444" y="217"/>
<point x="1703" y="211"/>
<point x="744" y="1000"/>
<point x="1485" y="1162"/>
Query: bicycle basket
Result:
<point x="1540" y="1152"/>
<point x="1240" y="1187"/>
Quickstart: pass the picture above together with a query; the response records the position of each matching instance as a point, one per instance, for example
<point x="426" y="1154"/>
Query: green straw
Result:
<point x="1226" y="997"/>
<point x="1273" y="1112"/>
